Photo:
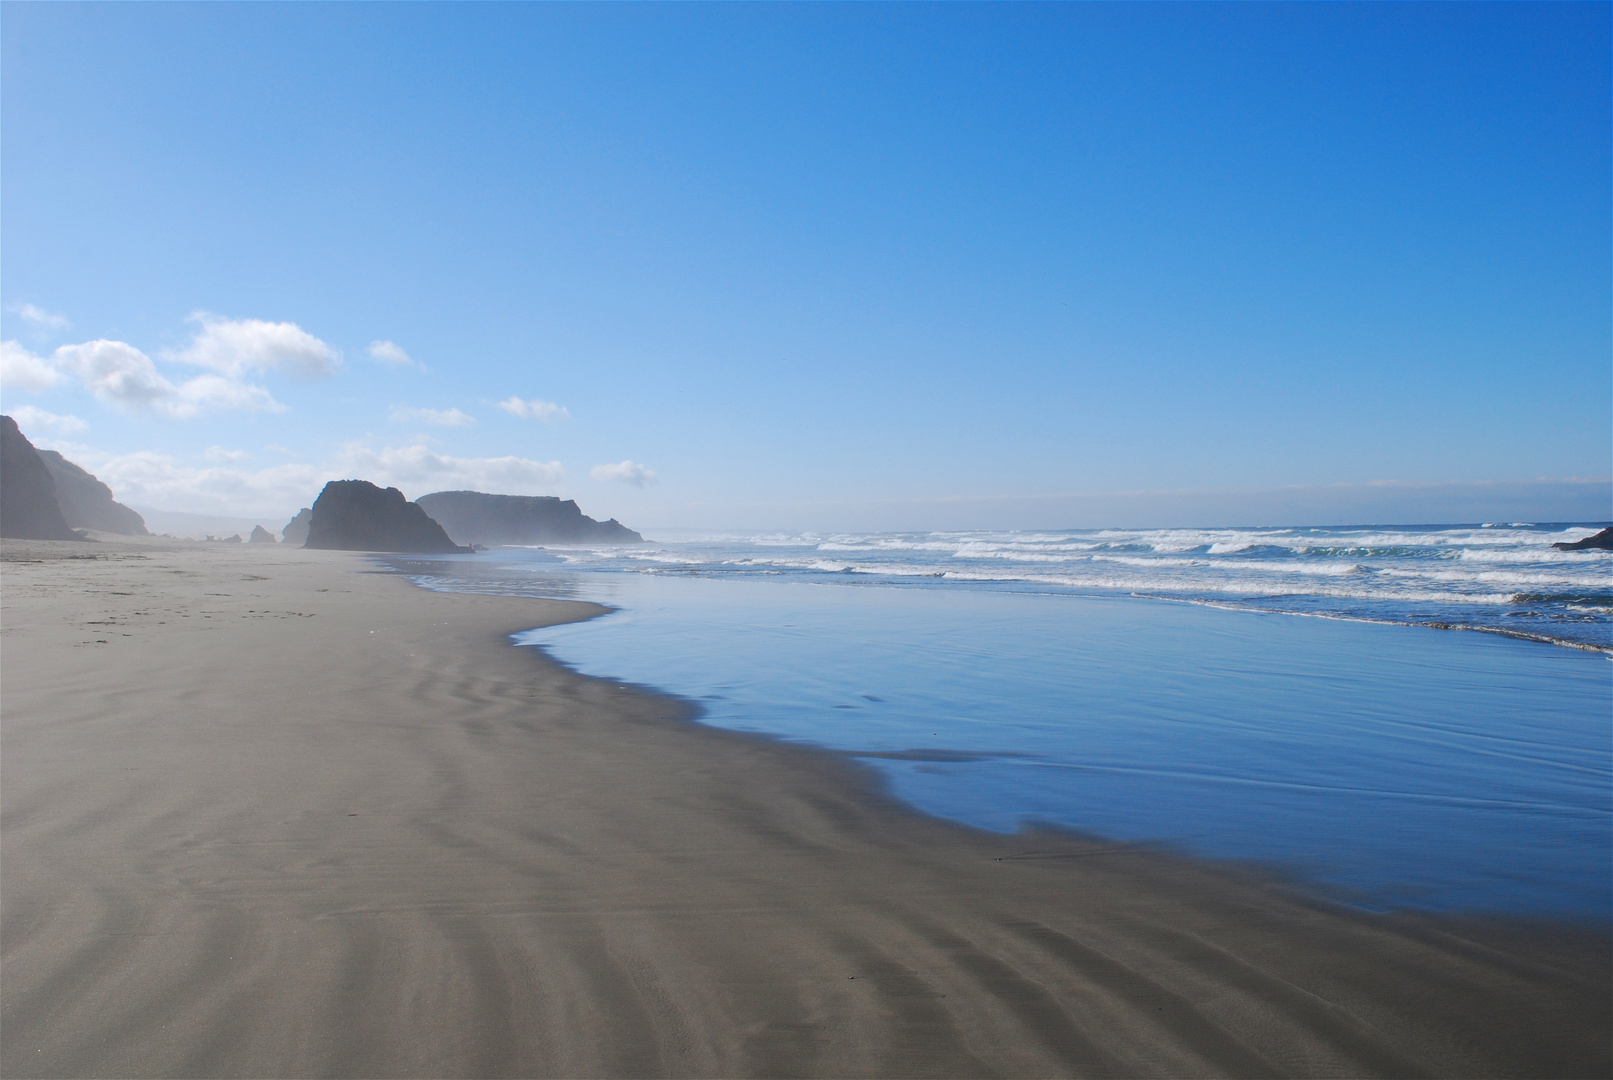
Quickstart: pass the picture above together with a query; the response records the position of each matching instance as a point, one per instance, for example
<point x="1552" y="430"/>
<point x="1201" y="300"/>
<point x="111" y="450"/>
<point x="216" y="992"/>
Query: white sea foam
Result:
<point x="1537" y="555"/>
<point x="1144" y="560"/>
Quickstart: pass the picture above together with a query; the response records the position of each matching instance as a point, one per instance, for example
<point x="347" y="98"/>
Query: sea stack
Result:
<point x="473" y="517"/>
<point x="86" y="502"/>
<point x="1602" y="541"/>
<point x="296" y="530"/>
<point x="356" y="515"/>
<point x="28" y="506"/>
<point x="260" y="535"/>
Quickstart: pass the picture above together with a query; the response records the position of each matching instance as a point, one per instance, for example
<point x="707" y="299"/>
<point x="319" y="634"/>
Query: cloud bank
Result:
<point x="533" y="409"/>
<point x="626" y="472"/>
<point x="419" y="469"/>
<point x="276" y="492"/>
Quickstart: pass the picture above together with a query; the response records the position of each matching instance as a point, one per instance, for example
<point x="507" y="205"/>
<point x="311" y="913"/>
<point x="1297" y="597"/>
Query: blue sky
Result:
<point x="819" y="266"/>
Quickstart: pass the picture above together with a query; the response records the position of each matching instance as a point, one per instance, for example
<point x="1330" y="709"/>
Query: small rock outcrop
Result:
<point x="86" y="502"/>
<point x="473" y="517"/>
<point x="1602" y="541"/>
<point x="355" y="515"/>
<point x="28" y="506"/>
<point x="296" y="530"/>
<point x="260" y="535"/>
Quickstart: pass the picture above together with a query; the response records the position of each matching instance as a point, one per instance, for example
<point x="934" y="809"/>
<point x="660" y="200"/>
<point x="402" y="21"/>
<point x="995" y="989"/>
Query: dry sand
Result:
<point x="266" y="813"/>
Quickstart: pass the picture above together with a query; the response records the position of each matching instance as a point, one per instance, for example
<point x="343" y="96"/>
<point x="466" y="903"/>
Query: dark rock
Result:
<point x="296" y="530"/>
<point x="28" y="506"/>
<point x="260" y="535"/>
<point x="86" y="502"/>
<point x="355" y="515"/>
<point x="1602" y="541"/>
<point x="472" y="517"/>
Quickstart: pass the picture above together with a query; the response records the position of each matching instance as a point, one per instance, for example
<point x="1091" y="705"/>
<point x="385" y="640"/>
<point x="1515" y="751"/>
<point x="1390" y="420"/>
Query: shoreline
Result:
<point x="350" y="827"/>
<point x="1194" y="601"/>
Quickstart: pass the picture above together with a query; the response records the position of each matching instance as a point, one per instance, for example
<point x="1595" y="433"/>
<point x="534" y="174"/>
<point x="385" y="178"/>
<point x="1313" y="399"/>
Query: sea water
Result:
<point x="1001" y="679"/>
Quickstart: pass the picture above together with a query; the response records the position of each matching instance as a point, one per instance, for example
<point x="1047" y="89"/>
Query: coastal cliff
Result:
<point x="28" y="506"/>
<point x="474" y="517"/>
<point x="87" y="503"/>
<point x="356" y="515"/>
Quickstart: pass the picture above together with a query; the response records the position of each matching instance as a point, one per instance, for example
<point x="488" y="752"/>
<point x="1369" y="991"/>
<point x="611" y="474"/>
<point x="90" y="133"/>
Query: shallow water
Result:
<point x="1394" y="765"/>
<point x="1503" y="578"/>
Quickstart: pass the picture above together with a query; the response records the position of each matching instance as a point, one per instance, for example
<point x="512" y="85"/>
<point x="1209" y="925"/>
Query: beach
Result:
<point x="273" y="812"/>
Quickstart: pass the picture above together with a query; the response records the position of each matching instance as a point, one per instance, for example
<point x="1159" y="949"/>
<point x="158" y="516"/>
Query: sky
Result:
<point x="819" y="267"/>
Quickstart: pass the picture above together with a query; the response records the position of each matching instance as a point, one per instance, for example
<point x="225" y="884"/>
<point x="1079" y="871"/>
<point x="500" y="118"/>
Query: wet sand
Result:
<point x="265" y="813"/>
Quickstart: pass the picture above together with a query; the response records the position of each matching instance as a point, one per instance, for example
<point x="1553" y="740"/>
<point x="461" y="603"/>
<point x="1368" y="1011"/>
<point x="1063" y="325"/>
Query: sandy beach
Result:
<point x="272" y="812"/>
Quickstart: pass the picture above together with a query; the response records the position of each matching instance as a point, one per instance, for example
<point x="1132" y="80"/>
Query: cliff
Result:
<point x="296" y="530"/>
<point x="86" y="502"/>
<point x="472" y="517"/>
<point x="28" y="506"/>
<point x="355" y="515"/>
<point x="1602" y="541"/>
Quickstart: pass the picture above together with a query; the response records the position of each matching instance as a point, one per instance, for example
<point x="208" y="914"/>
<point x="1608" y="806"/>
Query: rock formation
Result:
<point x="260" y="535"/>
<point x="1602" y="541"/>
<point x="296" y="530"/>
<point x="86" y="502"/>
<point x="355" y="515"/>
<point x="472" y="517"/>
<point x="28" y="506"/>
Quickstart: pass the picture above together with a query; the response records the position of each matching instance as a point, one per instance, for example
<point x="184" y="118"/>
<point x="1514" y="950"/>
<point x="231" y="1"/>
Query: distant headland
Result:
<point x="473" y="517"/>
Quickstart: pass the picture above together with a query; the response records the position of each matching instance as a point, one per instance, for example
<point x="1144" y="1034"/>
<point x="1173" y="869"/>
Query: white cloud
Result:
<point x="22" y="370"/>
<point x="39" y="318"/>
<point x="219" y="453"/>
<point x="533" y="409"/>
<point x="627" y="472"/>
<point x="402" y="414"/>
<point x="419" y="469"/>
<point x="233" y="347"/>
<point x="388" y="352"/>
<point x="217" y="392"/>
<point x="123" y="376"/>
<point x="117" y="373"/>
<point x="31" y="419"/>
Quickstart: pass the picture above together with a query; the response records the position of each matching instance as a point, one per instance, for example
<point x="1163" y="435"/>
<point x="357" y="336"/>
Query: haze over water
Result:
<point x="1006" y="678"/>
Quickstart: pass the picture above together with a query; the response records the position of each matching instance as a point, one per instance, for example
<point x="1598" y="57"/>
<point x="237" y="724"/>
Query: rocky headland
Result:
<point x="1602" y="541"/>
<point x="356" y="515"/>
<point x="86" y="502"/>
<point x="296" y="530"/>
<point x="474" y="517"/>
<point x="28" y="506"/>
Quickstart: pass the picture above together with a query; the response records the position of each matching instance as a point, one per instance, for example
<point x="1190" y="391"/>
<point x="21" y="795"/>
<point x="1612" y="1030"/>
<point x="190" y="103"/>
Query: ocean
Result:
<point x="1415" y="717"/>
